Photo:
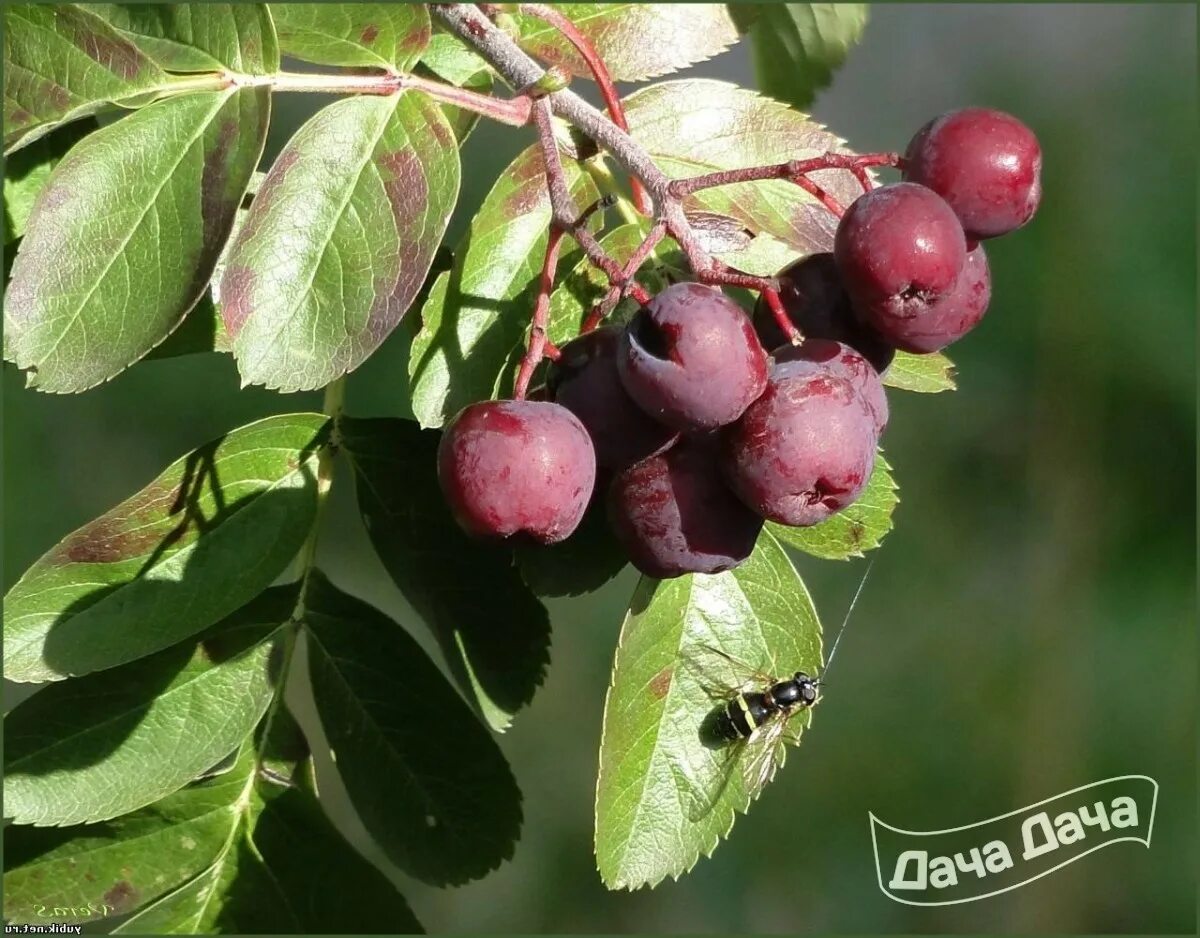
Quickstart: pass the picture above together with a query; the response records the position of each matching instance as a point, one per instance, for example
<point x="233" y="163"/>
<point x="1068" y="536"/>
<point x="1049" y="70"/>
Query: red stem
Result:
<point x="782" y="319"/>
<point x="541" y="316"/>
<point x="600" y="72"/>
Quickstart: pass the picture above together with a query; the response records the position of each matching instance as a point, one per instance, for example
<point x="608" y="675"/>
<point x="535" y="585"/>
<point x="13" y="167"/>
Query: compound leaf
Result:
<point x="148" y="200"/>
<point x="666" y="794"/>
<point x="112" y="742"/>
<point x="198" y="37"/>
<point x="698" y="126"/>
<point x="636" y="40"/>
<point x="797" y="46"/>
<point x="378" y="35"/>
<point x="111" y="868"/>
<point x="476" y="314"/>
<point x="208" y="535"/>
<point x="62" y="63"/>
<point x="495" y="635"/>
<point x="853" y="530"/>
<point x="442" y="814"/>
<point x="925" y="374"/>
<point x="338" y="239"/>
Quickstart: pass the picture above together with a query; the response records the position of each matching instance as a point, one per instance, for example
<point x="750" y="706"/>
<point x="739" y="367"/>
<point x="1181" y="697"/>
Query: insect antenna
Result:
<point x="846" y="620"/>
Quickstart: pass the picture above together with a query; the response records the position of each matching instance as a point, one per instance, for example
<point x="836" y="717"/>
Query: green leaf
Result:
<point x="204" y="538"/>
<point x="636" y="40"/>
<point x="797" y="46"/>
<point x="198" y="37"/>
<point x="925" y="374"/>
<point x="666" y="794"/>
<point x="339" y="239"/>
<point x="109" y="743"/>
<point x="148" y="200"/>
<point x="495" y="635"/>
<point x="99" y="870"/>
<point x="27" y="171"/>
<point x="860" y="527"/>
<point x="699" y="126"/>
<point x="451" y="60"/>
<point x="581" y="564"/>
<point x="379" y="35"/>
<point x="62" y="63"/>
<point x="427" y="779"/>
<point x="477" y="313"/>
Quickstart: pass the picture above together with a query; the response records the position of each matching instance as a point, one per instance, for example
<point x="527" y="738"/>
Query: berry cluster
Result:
<point x="696" y="432"/>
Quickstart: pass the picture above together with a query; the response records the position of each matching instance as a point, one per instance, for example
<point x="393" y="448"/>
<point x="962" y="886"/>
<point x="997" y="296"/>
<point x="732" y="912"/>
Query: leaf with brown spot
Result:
<point x="62" y="63"/>
<point x="339" y="239"/>
<point x="379" y="35"/>
<point x="212" y="532"/>
<point x="153" y="198"/>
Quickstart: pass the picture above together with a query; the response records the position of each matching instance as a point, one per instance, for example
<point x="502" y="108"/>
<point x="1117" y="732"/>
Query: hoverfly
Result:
<point x="750" y="724"/>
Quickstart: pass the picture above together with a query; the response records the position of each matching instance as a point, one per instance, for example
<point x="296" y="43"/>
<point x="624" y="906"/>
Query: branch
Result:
<point x="541" y="316"/>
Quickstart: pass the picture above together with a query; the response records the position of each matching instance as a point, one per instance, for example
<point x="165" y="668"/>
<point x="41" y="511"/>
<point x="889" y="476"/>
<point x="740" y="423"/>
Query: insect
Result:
<point x="751" y="725"/>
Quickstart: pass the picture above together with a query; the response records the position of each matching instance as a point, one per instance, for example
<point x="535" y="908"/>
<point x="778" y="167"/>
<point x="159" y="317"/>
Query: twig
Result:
<point x="541" y="315"/>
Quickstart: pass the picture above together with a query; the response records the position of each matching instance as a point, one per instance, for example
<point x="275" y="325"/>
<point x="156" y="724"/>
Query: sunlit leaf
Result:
<point x="209" y="534"/>
<point x="925" y="374"/>
<point x="112" y="742"/>
<point x="338" y="240"/>
<point x="152" y="197"/>
<point x="495" y="635"/>
<point x="636" y="40"/>
<point x="27" y="171"/>
<point x="853" y="530"/>
<point x="423" y="773"/>
<point x="380" y="35"/>
<point x="667" y="793"/>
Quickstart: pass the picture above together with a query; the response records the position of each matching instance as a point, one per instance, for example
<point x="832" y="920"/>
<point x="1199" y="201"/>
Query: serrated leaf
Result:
<point x="797" y="46"/>
<point x="152" y="197"/>
<point x="204" y="538"/>
<point x="925" y="374"/>
<point x="476" y="314"/>
<point x="853" y="530"/>
<point x="103" y="745"/>
<point x="339" y="239"/>
<point x="666" y="795"/>
<point x="495" y="636"/>
<point x="198" y="37"/>
<point x="111" y="868"/>
<point x="698" y="126"/>
<point x="61" y="63"/>
<point x="424" y="775"/>
<point x="379" y="35"/>
<point x="636" y="40"/>
<point x="27" y="171"/>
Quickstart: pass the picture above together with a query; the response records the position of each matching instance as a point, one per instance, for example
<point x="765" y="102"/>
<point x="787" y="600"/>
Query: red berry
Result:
<point x="986" y="164"/>
<point x="517" y="467"/>
<point x="835" y="358"/>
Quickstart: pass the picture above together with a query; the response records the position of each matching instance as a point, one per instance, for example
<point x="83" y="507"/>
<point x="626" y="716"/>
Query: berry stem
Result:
<point x="782" y="319"/>
<point x="541" y="315"/>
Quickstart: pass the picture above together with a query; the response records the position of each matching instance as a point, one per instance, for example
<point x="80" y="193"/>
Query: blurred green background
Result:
<point x="1030" y="625"/>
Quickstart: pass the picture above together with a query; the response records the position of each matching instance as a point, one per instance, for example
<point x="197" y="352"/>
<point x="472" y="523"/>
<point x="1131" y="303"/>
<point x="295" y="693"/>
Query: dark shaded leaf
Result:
<point x="860" y="527"/>
<point x="494" y="634"/>
<point x="198" y="37"/>
<point x="582" y="563"/>
<point x="27" y="171"/>
<point x="339" y="239"/>
<point x="61" y="63"/>
<point x="925" y="374"/>
<point x="666" y="794"/>
<point x="208" y="535"/>
<point x="477" y="313"/>
<point x="636" y="40"/>
<point x="109" y="743"/>
<point x="380" y="35"/>
<point x="153" y="198"/>
<point x="424" y="775"/>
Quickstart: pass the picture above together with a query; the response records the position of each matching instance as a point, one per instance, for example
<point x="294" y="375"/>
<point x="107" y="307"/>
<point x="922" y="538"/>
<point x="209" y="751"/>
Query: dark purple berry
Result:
<point x="517" y="467"/>
<point x="674" y="515"/>
<point x="829" y="357"/>
<point x="805" y="448"/>
<point x="947" y="319"/>
<point x="584" y="380"/>
<point x="690" y="358"/>
<point x="818" y="305"/>
<point x="986" y="164"/>
<point x="898" y="249"/>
